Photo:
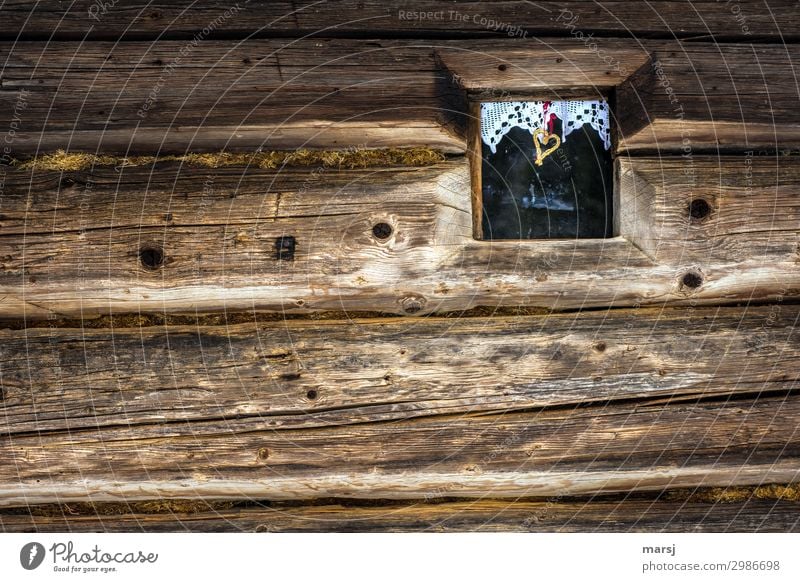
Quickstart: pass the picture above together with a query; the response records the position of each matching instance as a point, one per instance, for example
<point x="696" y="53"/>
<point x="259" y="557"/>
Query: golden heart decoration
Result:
<point x="542" y="138"/>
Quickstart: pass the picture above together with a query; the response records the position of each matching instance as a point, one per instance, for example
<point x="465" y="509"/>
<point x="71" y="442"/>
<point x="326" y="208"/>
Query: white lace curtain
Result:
<point x="497" y="119"/>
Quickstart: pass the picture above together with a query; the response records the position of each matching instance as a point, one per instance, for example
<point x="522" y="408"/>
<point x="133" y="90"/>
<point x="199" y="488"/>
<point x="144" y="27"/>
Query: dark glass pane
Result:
<point x="568" y="196"/>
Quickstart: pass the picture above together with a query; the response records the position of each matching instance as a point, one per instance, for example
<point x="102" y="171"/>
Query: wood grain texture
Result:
<point x="296" y="374"/>
<point x="541" y="69"/>
<point x="71" y="241"/>
<point x="753" y="210"/>
<point x="174" y="96"/>
<point x="674" y="97"/>
<point x="448" y="424"/>
<point x="481" y="516"/>
<point x="581" y="451"/>
<point x="692" y="98"/>
<point x="703" y="19"/>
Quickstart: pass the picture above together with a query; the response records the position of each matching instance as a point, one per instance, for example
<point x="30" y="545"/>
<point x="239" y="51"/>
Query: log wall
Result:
<point x="162" y="352"/>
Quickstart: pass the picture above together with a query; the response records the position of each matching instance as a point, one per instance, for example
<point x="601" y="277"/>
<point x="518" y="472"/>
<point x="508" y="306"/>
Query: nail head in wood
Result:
<point x="285" y="247"/>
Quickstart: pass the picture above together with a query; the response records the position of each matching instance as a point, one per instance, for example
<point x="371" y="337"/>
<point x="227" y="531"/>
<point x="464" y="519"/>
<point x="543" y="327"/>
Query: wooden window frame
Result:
<point x="543" y="73"/>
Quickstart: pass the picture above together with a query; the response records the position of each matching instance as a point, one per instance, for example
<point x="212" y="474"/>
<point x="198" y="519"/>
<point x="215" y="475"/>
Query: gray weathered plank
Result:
<point x="692" y="98"/>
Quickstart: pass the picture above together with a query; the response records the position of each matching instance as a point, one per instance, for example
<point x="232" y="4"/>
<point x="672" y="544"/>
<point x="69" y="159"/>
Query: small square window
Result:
<point x="546" y="170"/>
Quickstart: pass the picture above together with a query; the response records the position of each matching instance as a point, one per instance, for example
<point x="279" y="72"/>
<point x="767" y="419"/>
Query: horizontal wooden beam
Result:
<point x="299" y="374"/>
<point x="177" y="97"/>
<point x="480" y="516"/>
<point x="72" y="241"/>
<point x="683" y="210"/>
<point x="581" y="451"/>
<point x="670" y="97"/>
<point x="173" y="96"/>
<point x="691" y="99"/>
<point x="704" y="19"/>
<point x="540" y="70"/>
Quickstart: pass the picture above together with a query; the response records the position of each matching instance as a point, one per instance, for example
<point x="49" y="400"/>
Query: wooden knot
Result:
<point x="412" y="304"/>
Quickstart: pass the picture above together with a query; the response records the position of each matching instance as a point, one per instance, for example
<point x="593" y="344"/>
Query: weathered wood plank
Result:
<point x="705" y="19"/>
<point x="482" y="516"/>
<point x="177" y="96"/>
<point x="701" y="209"/>
<point x="538" y="454"/>
<point x="540" y="69"/>
<point x="171" y="96"/>
<point x="71" y="241"/>
<point x="219" y="241"/>
<point x="297" y="374"/>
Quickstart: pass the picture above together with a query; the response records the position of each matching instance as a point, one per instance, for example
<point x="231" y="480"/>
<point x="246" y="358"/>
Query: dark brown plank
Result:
<point x="480" y="516"/>
<point x="583" y="451"/>
<point x="776" y="19"/>
<point x="157" y="97"/>
<point x="692" y="97"/>
<point x="296" y="374"/>
<point x="177" y="97"/>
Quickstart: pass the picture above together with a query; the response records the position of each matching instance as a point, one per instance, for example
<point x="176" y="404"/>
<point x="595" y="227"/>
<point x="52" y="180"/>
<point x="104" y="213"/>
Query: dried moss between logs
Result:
<point x="343" y="159"/>
<point x="736" y="494"/>
<point x="141" y="320"/>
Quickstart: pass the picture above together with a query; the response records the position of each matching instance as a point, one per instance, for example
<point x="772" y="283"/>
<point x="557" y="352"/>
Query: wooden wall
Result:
<point x="423" y="380"/>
